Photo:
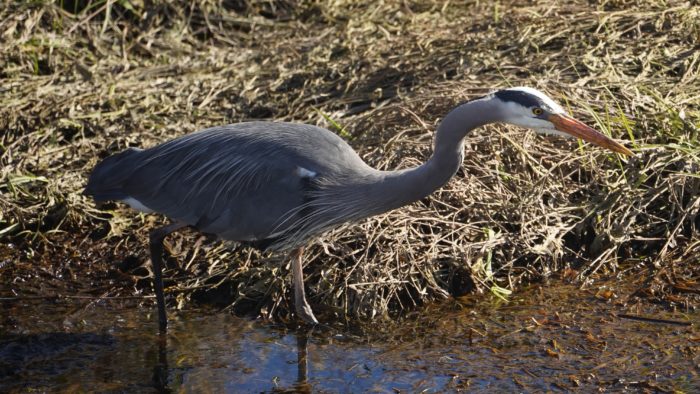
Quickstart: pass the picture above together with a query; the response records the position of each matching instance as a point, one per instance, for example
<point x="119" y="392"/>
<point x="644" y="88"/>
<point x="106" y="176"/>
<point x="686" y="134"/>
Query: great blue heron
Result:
<point x="275" y="185"/>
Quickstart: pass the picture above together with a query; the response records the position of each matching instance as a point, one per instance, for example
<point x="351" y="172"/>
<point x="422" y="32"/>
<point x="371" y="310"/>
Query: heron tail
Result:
<point x="108" y="176"/>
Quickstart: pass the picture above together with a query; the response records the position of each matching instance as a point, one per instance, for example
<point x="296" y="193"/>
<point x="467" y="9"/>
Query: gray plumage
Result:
<point x="271" y="184"/>
<point x="276" y="185"/>
<point x="253" y="181"/>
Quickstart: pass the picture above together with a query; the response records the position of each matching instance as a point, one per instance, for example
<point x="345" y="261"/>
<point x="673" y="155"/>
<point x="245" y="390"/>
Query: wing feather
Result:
<point x="238" y="181"/>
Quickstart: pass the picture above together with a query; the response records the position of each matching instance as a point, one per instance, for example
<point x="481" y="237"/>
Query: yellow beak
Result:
<point x="577" y="129"/>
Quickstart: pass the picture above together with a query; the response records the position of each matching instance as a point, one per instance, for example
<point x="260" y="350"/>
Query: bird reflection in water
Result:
<point x="161" y="371"/>
<point x="302" y="385"/>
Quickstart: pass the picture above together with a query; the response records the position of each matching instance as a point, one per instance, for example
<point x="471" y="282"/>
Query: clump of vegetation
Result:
<point x="85" y="79"/>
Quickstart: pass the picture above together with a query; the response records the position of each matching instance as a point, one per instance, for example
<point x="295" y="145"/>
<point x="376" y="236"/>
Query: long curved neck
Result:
<point x="398" y="188"/>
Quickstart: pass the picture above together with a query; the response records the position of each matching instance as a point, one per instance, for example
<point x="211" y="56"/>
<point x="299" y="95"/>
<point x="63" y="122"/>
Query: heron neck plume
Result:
<point x="398" y="188"/>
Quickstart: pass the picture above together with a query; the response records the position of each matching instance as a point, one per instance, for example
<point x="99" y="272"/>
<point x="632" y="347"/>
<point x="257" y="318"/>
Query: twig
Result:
<point x="49" y="297"/>
<point x="654" y="320"/>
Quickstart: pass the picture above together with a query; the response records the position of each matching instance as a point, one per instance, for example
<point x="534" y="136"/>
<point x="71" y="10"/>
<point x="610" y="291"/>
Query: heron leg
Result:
<point x="156" y="245"/>
<point x="302" y="307"/>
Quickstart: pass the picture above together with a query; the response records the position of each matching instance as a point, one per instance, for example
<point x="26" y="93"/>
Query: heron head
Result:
<point x="532" y="109"/>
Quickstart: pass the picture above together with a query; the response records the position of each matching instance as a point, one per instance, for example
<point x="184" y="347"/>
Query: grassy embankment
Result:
<point x="78" y="84"/>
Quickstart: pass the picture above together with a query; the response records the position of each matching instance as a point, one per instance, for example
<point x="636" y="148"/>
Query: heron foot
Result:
<point x="305" y="313"/>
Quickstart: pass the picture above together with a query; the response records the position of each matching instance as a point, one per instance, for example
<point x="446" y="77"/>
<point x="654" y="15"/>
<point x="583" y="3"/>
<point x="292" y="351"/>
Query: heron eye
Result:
<point x="537" y="111"/>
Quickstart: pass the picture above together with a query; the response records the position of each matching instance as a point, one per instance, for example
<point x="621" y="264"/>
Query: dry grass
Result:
<point x="78" y="86"/>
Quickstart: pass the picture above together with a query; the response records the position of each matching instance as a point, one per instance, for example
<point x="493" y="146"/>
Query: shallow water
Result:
<point x="556" y="338"/>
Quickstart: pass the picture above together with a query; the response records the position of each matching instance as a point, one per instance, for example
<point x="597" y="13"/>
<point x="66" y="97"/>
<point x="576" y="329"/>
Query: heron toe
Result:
<point x="305" y="313"/>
